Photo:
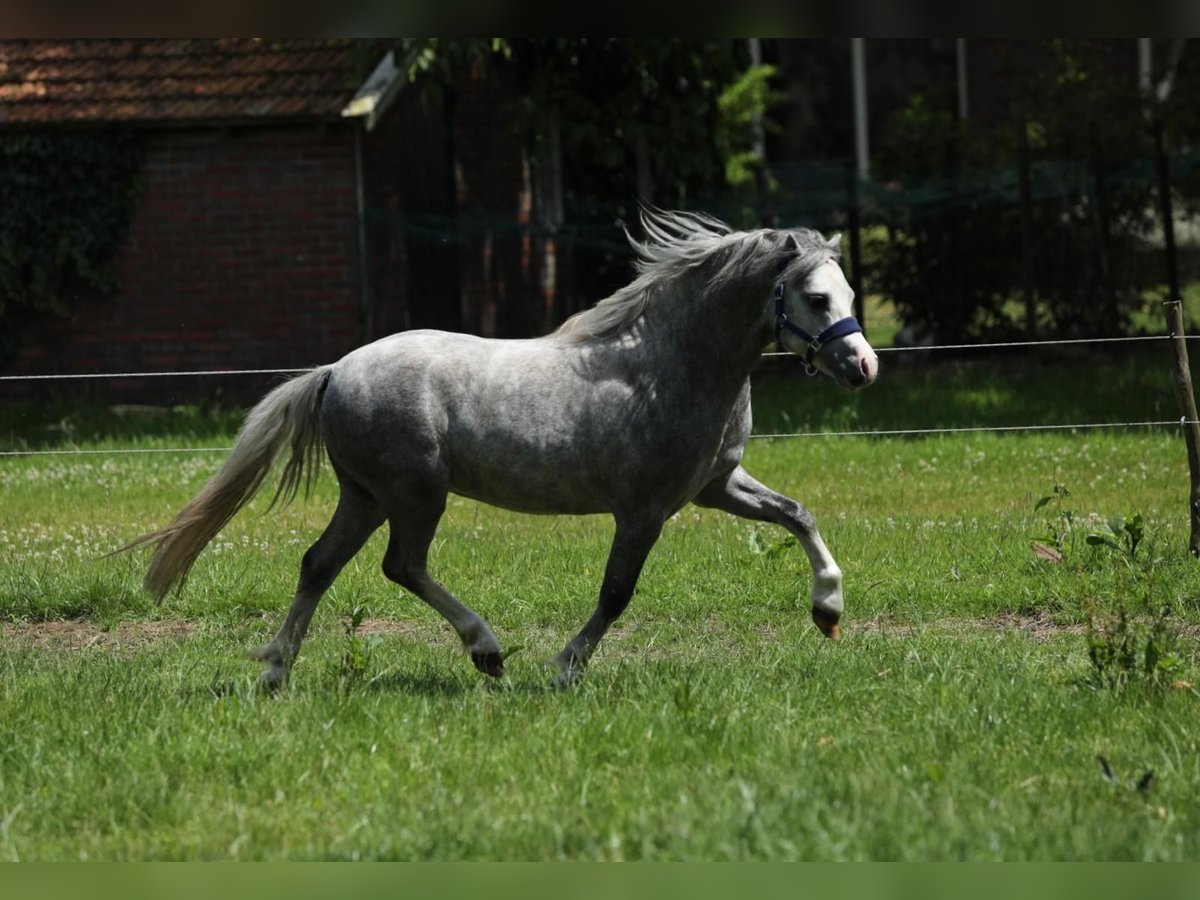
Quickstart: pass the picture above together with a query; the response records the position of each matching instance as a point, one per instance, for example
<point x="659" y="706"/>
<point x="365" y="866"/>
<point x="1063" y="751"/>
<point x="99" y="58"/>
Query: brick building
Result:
<point x="298" y="200"/>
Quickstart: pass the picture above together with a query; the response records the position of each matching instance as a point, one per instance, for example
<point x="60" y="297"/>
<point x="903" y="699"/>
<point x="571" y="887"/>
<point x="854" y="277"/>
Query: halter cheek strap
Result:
<point x="840" y="328"/>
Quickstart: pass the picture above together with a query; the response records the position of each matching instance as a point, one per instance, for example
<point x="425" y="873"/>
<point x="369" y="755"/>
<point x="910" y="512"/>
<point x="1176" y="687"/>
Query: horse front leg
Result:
<point x="631" y="545"/>
<point x="742" y="495"/>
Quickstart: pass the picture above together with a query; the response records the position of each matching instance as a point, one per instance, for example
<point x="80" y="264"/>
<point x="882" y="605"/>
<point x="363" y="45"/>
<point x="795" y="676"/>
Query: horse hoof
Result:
<point x="568" y="674"/>
<point x="565" y="679"/>
<point x="828" y="625"/>
<point x="272" y="680"/>
<point x="490" y="663"/>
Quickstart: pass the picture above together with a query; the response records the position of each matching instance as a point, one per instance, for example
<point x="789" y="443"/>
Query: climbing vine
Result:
<point x="66" y="201"/>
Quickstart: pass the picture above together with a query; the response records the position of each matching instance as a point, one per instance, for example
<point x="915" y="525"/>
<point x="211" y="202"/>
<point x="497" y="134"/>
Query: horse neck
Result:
<point x="712" y="334"/>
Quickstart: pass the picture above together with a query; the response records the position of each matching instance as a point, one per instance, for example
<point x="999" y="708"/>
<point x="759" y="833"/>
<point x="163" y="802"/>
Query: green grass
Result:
<point x="958" y="718"/>
<point x="710" y="746"/>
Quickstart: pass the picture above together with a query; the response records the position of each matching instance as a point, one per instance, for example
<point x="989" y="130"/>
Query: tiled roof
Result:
<point x="142" y="80"/>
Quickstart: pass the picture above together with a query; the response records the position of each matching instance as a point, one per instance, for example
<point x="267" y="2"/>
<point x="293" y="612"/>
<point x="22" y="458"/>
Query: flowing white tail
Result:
<point x="290" y="413"/>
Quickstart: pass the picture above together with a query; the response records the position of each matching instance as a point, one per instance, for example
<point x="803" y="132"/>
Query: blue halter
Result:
<point x="840" y="328"/>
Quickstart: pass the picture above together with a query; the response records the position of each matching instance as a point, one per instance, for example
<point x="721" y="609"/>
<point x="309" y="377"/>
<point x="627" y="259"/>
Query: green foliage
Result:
<point x="632" y="114"/>
<point x="742" y="107"/>
<point x="1124" y="650"/>
<point x="769" y="546"/>
<point x="616" y="121"/>
<point x="1131" y="636"/>
<point x="624" y="109"/>
<point x="954" y="261"/>
<point x="66" y="200"/>
<point x="1060" y="525"/>
<point x="441" y="56"/>
<point x="354" y="664"/>
<point x="1124" y="536"/>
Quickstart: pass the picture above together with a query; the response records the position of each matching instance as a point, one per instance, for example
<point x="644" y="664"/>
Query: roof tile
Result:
<point x="160" y="80"/>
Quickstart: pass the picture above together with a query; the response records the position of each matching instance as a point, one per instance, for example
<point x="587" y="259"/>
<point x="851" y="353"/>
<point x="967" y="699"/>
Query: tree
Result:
<point x="1058" y="175"/>
<point x="66" y="201"/>
<point x="611" y="123"/>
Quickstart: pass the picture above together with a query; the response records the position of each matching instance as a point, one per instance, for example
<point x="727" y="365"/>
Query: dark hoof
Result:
<point x="828" y="624"/>
<point x="566" y="678"/>
<point x="569" y="670"/>
<point x="272" y="680"/>
<point x="489" y="663"/>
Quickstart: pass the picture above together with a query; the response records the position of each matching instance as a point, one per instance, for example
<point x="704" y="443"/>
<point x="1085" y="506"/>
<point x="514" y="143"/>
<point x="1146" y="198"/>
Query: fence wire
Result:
<point x="1007" y="345"/>
<point x="999" y="345"/>
<point x="897" y="432"/>
<point x="974" y="429"/>
<point x="99" y="375"/>
<point x="115" y="451"/>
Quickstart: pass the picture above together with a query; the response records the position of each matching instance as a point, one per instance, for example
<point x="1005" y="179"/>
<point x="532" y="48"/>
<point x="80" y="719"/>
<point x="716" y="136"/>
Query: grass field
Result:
<point x="961" y="716"/>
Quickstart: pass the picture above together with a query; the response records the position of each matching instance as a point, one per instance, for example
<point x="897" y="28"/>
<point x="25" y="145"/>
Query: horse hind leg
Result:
<point x="631" y="545"/>
<point x="356" y="518"/>
<point x="406" y="563"/>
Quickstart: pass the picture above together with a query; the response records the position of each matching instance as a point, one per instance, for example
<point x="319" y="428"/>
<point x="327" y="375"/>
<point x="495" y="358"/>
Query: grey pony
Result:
<point x="632" y="408"/>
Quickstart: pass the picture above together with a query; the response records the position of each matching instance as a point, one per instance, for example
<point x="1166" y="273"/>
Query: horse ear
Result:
<point x="791" y="249"/>
<point x="835" y="242"/>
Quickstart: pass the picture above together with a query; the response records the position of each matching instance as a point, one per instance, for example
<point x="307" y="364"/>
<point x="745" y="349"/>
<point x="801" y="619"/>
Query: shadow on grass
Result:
<point x="439" y="684"/>
<point x="426" y="683"/>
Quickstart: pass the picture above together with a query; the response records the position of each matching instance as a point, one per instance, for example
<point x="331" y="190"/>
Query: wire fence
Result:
<point x="1008" y="345"/>
<point x="103" y="375"/>
<point x="115" y="451"/>
<point x="999" y="345"/>
<point x="899" y="432"/>
<point x="974" y="429"/>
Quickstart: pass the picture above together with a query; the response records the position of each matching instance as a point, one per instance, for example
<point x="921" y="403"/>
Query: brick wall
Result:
<point x="243" y="254"/>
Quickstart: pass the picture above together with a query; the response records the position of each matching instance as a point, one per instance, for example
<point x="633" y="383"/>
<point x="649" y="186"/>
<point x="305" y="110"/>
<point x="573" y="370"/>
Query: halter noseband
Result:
<point x="840" y="328"/>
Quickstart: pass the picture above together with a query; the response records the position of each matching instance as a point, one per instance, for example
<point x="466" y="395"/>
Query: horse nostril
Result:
<point x="856" y="378"/>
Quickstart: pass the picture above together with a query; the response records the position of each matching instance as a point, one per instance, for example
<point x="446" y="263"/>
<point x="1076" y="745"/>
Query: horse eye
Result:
<point x="819" y="302"/>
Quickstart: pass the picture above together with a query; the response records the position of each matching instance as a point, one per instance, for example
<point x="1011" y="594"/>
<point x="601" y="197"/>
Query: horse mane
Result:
<point x="677" y="242"/>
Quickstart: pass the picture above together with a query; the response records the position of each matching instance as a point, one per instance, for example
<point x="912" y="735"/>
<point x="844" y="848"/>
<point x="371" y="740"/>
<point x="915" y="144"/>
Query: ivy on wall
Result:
<point x="66" y="201"/>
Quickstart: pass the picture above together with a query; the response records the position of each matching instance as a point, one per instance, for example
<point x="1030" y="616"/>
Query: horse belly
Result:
<point x="517" y="471"/>
<point x="536" y="498"/>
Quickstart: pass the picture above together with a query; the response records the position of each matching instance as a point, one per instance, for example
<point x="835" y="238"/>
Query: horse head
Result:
<point x="814" y="318"/>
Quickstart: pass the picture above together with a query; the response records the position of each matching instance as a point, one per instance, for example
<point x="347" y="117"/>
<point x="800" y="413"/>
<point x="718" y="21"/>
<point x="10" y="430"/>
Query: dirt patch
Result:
<point x="1038" y="626"/>
<point x="1034" y="625"/>
<point x="368" y="627"/>
<point x="877" y="626"/>
<point x="128" y="637"/>
<point x="79" y="634"/>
